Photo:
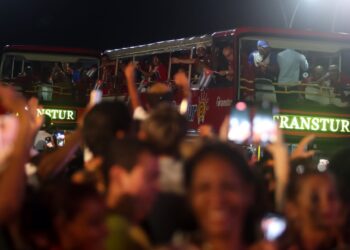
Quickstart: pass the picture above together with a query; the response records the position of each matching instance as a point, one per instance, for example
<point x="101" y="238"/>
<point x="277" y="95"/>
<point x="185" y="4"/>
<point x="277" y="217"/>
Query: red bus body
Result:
<point x="211" y="105"/>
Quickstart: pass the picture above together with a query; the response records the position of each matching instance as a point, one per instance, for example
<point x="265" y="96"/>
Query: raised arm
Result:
<point x="13" y="178"/>
<point x="280" y="156"/>
<point x="53" y="163"/>
<point x="183" y="83"/>
<point x="130" y="78"/>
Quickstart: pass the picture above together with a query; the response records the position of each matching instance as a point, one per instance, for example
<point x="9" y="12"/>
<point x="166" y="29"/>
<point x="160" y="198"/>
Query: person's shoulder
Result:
<point x="253" y="53"/>
<point x="251" y="57"/>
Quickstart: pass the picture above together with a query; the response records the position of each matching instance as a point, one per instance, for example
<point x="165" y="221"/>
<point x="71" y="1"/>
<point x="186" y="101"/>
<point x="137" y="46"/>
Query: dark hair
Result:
<point x="300" y="169"/>
<point x="340" y="166"/>
<point x="165" y="128"/>
<point x="43" y="206"/>
<point x="124" y="153"/>
<point x="102" y="123"/>
<point x="155" y="99"/>
<point x="235" y="157"/>
<point x="225" y="151"/>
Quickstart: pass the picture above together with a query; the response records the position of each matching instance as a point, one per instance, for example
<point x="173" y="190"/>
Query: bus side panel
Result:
<point x="209" y="106"/>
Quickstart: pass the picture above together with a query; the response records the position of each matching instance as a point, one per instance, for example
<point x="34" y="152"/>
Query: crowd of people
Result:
<point x="130" y="178"/>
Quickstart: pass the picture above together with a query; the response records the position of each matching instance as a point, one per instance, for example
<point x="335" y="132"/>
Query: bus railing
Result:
<point x="265" y="89"/>
<point x="301" y="86"/>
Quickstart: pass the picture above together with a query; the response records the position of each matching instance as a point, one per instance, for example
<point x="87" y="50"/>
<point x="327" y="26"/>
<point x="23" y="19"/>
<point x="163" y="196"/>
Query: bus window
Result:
<point x="152" y="68"/>
<point x="223" y="57"/>
<point x="291" y="72"/>
<point x="7" y="67"/>
<point x="120" y="80"/>
<point x="199" y="62"/>
<point x="177" y="67"/>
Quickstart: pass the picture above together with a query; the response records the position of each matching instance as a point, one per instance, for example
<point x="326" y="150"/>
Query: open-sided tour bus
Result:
<point x="317" y="102"/>
<point x="61" y="78"/>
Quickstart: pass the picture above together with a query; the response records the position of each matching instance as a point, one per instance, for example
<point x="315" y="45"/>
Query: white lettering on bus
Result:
<point x="323" y="124"/>
<point x="58" y="114"/>
<point x="345" y="126"/>
<point x="223" y="103"/>
<point x="70" y="114"/>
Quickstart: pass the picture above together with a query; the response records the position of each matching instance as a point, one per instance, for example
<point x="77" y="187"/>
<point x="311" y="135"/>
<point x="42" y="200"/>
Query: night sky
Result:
<point x="107" y="24"/>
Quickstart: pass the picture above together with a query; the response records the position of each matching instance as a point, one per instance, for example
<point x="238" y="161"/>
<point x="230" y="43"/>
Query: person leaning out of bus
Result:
<point x="229" y="55"/>
<point x="200" y="62"/>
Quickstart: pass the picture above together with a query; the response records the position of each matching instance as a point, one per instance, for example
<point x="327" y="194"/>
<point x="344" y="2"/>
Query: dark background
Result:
<point x="107" y="24"/>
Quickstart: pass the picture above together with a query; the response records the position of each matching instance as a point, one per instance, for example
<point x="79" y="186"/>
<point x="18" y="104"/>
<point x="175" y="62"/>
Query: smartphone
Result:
<point x="95" y="97"/>
<point x="60" y="138"/>
<point x="273" y="226"/>
<point x="240" y="128"/>
<point x="264" y="126"/>
<point x="253" y="124"/>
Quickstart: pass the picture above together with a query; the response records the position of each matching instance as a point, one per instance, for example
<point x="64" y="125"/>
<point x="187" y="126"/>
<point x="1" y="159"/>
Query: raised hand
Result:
<point x="181" y="80"/>
<point x="130" y="71"/>
<point x="300" y="151"/>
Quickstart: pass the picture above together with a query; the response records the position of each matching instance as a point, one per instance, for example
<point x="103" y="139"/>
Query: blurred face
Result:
<point x="219" y="197"/>
<point x="318" y="72"/>
<point x="264" y="51"/>
<point x="200" y="51"/>
<point x="228" y="54"/>
<point x="155" y="61"/>
<point x="143" y="184"/>
<point x="87" y="230"/>
<point x="318" y="205"/>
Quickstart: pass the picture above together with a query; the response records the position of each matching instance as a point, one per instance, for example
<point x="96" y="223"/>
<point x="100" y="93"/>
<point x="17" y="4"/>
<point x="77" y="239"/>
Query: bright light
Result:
<point x="241" y="106"/>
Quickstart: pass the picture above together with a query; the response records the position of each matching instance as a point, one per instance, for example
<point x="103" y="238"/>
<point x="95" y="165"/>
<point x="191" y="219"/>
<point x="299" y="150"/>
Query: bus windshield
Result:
<point x="53" y="78"/>
<point x="295" y="72"/>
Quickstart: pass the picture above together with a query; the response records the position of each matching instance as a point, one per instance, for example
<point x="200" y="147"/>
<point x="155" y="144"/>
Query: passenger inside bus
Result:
<point x="229" y="55"/>
<point x="263" y="61"/>
<point x="290" y="63"/>
<point x="290" y="81"/>
<point x="156" y="72"/>
<point x="203" y="74"/>
<point x="317" y="76"/>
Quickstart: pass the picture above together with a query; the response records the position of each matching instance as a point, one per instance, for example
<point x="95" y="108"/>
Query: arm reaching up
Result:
<point x="130" y="78"/>
<point x="13" y="178"/>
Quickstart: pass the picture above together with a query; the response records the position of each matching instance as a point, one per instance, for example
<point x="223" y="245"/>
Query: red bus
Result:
<point x="254" y="64"/>
<point x="61" y="78"/>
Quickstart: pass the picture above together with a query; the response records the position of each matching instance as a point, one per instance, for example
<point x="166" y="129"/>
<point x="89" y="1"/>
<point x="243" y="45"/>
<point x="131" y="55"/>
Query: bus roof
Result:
<point x="159" y="47"/>
<point x="51" y="49"/>
<point x="188" y="43"/>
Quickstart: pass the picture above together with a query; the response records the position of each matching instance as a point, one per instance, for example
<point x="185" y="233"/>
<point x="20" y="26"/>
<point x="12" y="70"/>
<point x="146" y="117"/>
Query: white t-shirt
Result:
<point x="290" y="62"/>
